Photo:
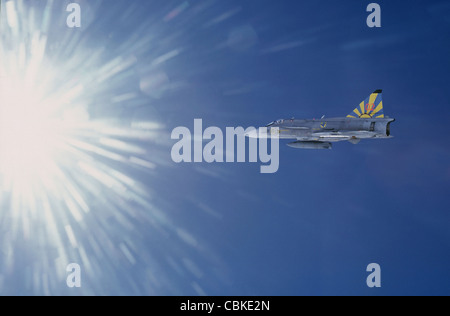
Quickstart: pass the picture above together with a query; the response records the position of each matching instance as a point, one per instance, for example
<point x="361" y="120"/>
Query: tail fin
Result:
<point x="372" y="107"/>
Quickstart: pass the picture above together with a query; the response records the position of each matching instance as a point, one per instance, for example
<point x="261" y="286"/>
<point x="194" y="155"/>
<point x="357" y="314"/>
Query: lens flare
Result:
<point x="84" y="153"/>
<point x="73" y="156"/>
<point x="45" y="126"/>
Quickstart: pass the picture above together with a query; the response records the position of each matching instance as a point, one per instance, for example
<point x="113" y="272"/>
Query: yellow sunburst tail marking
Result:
<point x="372" y="106"/>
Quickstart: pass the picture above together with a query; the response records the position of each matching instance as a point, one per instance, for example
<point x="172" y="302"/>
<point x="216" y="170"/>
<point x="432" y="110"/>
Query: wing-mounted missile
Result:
<point x="310" y="145"/>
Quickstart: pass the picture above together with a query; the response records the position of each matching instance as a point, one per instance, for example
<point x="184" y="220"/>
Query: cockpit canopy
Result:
<point x="277" y="122"/>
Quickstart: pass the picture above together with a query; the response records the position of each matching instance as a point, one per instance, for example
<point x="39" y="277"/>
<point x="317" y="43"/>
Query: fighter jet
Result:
<point x="367" y="121"/>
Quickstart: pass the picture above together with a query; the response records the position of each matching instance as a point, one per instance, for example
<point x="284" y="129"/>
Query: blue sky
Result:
<point x="314" y="226"/>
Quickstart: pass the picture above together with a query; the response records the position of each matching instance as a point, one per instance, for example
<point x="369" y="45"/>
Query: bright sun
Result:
<point x="28" y="134"/>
